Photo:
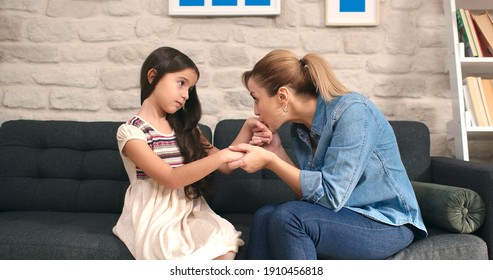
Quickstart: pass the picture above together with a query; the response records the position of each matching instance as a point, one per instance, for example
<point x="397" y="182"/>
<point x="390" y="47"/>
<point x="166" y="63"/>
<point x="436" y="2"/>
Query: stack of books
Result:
<point x="476" y="32"/>
<point x="478" y="98"/>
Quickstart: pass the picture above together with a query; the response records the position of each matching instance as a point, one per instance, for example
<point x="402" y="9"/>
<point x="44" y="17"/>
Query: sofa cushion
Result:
<point x="445" y="247"/>
<point x="458" y="210"/>
<point x="242" y="223"/>
<point x="439" y="246"/>
<point x="59" y="235"/>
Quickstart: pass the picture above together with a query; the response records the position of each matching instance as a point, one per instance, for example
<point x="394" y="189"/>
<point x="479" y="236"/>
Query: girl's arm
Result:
<point x="145" y="159"/>
<point x="211" y="149"/>
<point x="253" y="132"/>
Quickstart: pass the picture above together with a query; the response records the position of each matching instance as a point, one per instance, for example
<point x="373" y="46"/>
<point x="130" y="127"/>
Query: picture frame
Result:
<point x="352" y="12"/>
<point x="224" y="7"/>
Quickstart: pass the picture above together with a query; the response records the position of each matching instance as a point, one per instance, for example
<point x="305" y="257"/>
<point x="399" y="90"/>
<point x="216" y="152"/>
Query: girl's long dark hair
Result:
<point x="185" y="121"/>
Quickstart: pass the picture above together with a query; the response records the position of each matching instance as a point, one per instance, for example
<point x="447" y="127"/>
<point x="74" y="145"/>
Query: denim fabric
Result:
<point x="303" y="230"/>
<point x="356" y="164"/>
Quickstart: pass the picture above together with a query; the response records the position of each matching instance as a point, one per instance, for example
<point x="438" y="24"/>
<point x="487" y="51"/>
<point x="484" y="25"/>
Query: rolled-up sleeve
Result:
<point x="311" y="185"/>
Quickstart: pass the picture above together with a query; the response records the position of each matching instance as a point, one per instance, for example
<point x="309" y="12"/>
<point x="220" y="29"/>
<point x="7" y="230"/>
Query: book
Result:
<point x="488" y="97"/>
<point x="477" y="101"/>
<point x="489" y="120"/>
<point x="474" y="34"/>
<point x="484" y="27"/>
<point x="470" y="114"/>
<point x="465" y="35"/>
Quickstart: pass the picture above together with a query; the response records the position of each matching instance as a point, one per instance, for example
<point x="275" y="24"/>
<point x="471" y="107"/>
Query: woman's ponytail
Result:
<point x="323" y="77"/>
<point x="308" y="76"/>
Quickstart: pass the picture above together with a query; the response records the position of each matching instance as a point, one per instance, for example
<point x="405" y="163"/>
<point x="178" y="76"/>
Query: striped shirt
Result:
<point x="165" y="146"/>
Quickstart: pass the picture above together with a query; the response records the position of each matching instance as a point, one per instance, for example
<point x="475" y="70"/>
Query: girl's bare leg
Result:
<point x="228" y="256"/>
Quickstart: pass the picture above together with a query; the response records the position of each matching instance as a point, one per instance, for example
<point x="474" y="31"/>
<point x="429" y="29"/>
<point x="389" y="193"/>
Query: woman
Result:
<point x="355" y="198"/>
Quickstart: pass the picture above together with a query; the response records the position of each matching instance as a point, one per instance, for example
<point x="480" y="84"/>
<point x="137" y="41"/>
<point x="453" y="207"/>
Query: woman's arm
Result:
<point x="257" y="158"/>
<point x="276" y="147"/>
<point x="145" y="159"/>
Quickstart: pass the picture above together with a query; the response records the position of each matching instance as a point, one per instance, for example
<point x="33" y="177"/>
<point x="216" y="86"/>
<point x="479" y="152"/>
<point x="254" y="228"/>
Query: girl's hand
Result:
<point x="254" y="159"/>
<point x="275" y="144"/>
<point x="228" y="155"/>
<point x="261" y="135"/>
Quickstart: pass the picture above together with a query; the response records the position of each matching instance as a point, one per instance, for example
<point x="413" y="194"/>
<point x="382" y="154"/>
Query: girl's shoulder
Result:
<point x="133" y="128"/>
<point x="136" y="121"/>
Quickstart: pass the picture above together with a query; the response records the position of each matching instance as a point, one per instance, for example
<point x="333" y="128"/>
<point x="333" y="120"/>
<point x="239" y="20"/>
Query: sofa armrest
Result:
<point x="472" y="175"/>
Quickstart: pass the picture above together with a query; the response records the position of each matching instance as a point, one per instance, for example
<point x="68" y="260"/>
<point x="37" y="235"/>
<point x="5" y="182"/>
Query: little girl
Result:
<point x="167" y="160"/>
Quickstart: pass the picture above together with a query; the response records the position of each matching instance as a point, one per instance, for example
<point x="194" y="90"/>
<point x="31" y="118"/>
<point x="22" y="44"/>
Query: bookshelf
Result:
<point x="460" y="67"/>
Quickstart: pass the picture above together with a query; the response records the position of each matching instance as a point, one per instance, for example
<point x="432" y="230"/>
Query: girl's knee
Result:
<point x="228" y="256"/>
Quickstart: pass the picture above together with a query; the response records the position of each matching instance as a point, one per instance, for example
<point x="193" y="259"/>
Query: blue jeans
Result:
<point x="304" y="231"/>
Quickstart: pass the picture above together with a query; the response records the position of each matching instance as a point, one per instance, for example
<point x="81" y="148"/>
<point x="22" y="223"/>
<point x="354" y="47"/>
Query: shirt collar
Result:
<point x="320" y="117"/>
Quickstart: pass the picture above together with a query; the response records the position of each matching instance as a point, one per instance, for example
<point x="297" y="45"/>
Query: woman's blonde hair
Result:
<point x="308" y="76"/>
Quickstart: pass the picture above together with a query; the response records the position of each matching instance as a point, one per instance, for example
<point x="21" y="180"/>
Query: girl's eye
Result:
<point x="181" y="83"/>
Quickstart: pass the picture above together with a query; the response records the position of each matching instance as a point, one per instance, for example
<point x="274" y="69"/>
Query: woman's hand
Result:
<point x="228" y="155"/>
<point x="254" y="159"/>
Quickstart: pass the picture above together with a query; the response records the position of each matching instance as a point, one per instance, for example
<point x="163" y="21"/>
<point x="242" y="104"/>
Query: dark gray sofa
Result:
<point x="62" y="185"/>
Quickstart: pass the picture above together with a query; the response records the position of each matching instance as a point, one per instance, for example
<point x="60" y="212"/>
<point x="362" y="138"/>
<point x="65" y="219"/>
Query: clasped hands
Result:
<point x="259" y="151"/>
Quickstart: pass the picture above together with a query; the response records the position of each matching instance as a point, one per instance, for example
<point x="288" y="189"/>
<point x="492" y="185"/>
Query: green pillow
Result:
<point x="454" y="209"/>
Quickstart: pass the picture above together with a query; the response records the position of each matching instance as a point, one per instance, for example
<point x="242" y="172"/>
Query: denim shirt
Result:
<point x="356" y="164"/>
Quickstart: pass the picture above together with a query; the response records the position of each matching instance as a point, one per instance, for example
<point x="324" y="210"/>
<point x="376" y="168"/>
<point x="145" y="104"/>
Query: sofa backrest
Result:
<point x="75" y="166"/>
<point x="241" y="192"/>
<point x="62" y="166"/>
<point x="413" y="139"/>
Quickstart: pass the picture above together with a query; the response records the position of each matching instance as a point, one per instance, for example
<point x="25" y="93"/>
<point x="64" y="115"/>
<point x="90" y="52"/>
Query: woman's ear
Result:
<point x="283" y="95"/>
<point x="151" y="74"/>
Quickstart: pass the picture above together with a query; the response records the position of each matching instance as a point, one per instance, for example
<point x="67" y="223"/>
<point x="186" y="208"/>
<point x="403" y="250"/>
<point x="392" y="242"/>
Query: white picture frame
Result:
<point x="209" y="8"/>
<point x="352" y="12"/>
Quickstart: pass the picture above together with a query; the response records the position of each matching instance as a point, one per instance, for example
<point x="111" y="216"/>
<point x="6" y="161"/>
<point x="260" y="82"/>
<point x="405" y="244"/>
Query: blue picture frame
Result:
<point x="223" y="7"/>
<point x="352" y="12"/>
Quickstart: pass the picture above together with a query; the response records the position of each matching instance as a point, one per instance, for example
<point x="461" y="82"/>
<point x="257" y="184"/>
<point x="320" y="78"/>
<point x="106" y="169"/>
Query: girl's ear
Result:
<point x="151" y="74"/>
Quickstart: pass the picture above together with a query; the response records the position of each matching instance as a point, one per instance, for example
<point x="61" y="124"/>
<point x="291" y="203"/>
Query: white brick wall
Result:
<point x="80" y="59"/>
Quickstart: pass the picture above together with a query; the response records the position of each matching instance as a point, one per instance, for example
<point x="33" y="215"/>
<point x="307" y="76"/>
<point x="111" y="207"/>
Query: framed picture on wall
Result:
<point x="223" y="7"/>
<point x="351" y="12"/>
